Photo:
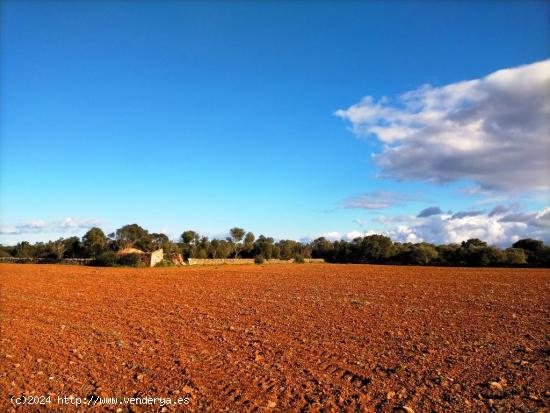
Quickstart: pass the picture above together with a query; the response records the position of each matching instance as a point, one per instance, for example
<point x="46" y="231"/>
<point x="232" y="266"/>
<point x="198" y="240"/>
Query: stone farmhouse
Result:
<point x="149" y="259"/>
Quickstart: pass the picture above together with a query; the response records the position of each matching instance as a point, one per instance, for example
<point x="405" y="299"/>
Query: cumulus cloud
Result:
<point x="428" y="212"/>
<point x="494" y="131"/>
<point x="41" y="226"/>
<point x="495" y="228"/>
<point x="376" y="200"/>
<point x="347" y="236"/>
<point x="540" y="219"/>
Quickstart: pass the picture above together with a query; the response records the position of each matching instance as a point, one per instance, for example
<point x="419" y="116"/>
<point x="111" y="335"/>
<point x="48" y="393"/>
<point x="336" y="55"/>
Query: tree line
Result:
<point x="377" y="249"/>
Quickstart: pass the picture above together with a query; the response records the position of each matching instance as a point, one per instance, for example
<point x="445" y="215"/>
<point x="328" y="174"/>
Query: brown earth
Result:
<point x="277" y="338"/>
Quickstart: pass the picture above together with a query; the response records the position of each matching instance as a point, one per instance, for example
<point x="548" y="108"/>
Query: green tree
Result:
<point x="56" y="249"/>
<point x="41" y="250"/>
<point x="190" y="241"/>
<point x="322" y="248"/>
<point x="237" y="235"/>
<point x="288" y="249"/>
<point x="248" y="243"/>
<point x="220" y="248"/>
<point x="160" y="240"/>
<point x="533" y="248"/>
<point x="422" y="253"/>
<point x="4" y="253"/>
<point x="24" y="250"/>
<point x="264" y="247"/>
<point x="95" y="242"/>
<point x="473" y="243"/>
<point x="128" y="235"/>
<point x="528" y="244"/>
<point x="472" y="252"/>
<point x="449" y="254"/>
<point x="203" y="247"/>
<point x="492" y="256"/>
<point x="376" y="248"/>
<point x="190" y="237"/>
<point x="7" y="251"/>
<point x="144" y="243"/>
<point x="73" y="248"/>
<point x="515" y="256"/>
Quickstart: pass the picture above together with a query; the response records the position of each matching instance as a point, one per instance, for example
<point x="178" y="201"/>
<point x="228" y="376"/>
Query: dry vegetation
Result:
<point x="281" y="338"/>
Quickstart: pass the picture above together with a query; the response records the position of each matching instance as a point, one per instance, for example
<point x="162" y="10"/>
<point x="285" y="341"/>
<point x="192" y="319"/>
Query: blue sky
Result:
<point x="206" y="115"/>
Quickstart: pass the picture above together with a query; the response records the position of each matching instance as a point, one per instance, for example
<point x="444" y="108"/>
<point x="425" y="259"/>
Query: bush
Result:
<point x="130" y="260"/>
<point x="105" y="259"/>
<point x="165" y="263"/>
<point x="51" y="258"/>
<point x="258" y="259"/>
<point x="299" y="259"/>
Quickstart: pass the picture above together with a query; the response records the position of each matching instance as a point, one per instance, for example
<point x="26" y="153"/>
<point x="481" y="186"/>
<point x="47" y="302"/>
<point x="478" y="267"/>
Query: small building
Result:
<point x="149" y="259"/>
<point x="156" y="257"/>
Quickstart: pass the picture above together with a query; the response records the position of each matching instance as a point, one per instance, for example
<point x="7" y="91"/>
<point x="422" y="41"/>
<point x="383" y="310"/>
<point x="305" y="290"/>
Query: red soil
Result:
<point x="277" y="337"/>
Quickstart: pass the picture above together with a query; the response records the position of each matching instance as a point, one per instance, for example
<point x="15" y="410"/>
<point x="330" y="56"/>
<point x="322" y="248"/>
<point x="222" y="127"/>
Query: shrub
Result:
<point x="299" y="259"/>
<point x="258" y="259"/>
<point x="51" y="258"/>
<point x="130" y="260"/>
<point x="105" y="259"/>
<point x="165" y="263"/>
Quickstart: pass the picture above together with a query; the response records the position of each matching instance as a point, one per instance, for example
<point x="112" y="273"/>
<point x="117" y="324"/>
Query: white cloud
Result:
<point x="494" y="131"/>
<point x="360" y="222"/>
<point x="9" y="230"/>
<point x="41" y="226"/>
<point x="348" y="236"/>
<point x="75" y="223"/>
<point x="376" y="200"/>
<point x="495" y="227"/>
<point x="331" y="235"/>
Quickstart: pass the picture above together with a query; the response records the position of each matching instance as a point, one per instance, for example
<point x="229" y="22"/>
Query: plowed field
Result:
<point x="276" y="338"/>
